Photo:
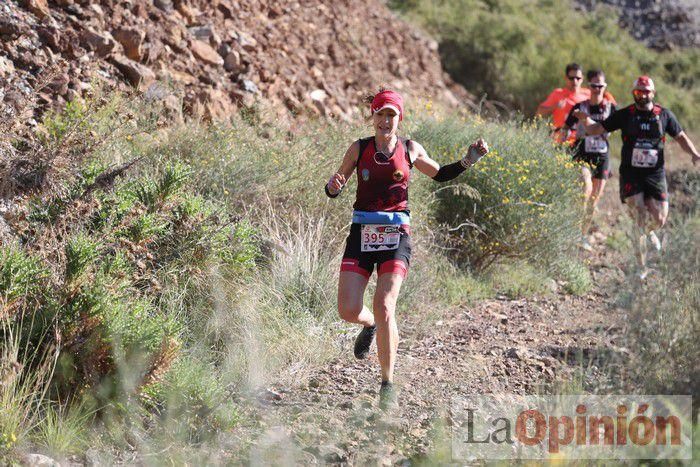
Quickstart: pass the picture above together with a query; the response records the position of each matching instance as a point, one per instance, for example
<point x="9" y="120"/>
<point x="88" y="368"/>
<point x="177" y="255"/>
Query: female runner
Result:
<point x="380" y="230"/>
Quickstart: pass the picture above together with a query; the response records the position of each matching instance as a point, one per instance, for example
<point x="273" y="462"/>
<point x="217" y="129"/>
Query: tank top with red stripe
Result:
<point x="382" y="183"/>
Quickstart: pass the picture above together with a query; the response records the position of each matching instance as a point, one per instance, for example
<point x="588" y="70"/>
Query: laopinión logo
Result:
<point x="572" y="427"/>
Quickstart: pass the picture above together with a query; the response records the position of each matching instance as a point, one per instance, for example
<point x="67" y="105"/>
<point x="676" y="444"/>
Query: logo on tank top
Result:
<point x="398" y="175"/>
<point x="365" y="174"/>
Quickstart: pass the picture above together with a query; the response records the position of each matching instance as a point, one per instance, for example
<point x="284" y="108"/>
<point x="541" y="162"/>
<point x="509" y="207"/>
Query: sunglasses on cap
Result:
<point x="577" y="78"/>
<point x="597" y="86"/>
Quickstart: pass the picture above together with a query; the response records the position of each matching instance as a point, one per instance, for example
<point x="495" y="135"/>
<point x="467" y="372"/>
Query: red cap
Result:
<point x="388" y="100"/>
<point x="644" y="83"/>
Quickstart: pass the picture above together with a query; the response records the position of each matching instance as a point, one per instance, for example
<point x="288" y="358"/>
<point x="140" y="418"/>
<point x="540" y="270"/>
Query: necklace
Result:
<point x="385" y="149"/>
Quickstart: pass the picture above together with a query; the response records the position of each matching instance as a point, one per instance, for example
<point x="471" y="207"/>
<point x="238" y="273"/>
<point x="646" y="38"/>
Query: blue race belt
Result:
<point x="381" y="217"/>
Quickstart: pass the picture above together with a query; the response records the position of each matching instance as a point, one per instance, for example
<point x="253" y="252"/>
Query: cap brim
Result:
<point x="388" y="106"/>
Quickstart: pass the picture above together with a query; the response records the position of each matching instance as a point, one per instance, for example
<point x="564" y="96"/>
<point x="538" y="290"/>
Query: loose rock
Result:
<point x="138" y="75"/>
<point x="206" y="53"/>
<point x="132" y="40"/>
<point x="38" y="7"/>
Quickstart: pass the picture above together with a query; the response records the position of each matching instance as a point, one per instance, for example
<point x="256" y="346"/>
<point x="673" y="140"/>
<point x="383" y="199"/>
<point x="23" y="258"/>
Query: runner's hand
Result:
<point x="476" y="151"/>
<point x="581" y="115"/>
<point x="696" y="159"/>
<point x="336" y="183"/>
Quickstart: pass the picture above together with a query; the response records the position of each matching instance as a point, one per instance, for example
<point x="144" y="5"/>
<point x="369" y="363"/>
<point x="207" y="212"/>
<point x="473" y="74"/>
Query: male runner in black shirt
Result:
<point x="592" y="151"/>
<point x="642" y="178"/>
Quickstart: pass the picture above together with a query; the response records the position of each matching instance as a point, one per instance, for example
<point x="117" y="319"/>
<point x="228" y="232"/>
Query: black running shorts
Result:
<point x="652" y="184"/>
<point x="387" y="261"/>
<point x="599" y="164"/>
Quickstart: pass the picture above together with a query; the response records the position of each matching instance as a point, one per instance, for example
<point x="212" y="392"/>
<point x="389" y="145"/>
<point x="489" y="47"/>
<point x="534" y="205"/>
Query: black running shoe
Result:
<point x="388" y="399"/>
<point x="363" y="341"/>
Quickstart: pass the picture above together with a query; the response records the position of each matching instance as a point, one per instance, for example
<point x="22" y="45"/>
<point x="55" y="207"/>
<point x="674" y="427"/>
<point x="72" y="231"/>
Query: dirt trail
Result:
<point x="496" y="346"/>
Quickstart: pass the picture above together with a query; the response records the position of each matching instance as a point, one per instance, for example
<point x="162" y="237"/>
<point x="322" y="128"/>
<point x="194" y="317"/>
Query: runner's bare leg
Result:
<point x="637" y="209"/>
<point x="598" y="185"/>
<point x="351" y="291"/>
<point x="587" y="191"/>
<point x="658" y="211"/>
<point x="385" y="297"/>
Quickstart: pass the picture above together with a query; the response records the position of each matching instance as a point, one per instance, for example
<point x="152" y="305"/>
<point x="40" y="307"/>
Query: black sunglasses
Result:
<point x="597" y="86"/>
<point x="578" y="78"/>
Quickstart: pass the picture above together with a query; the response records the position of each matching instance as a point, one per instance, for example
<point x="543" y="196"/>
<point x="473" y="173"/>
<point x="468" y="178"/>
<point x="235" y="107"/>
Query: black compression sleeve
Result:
<point x="328" y="193"/>
<point x="449" y="172"/>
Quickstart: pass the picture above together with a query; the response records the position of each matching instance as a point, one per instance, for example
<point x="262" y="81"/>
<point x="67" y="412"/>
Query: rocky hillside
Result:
<point x="659" y="24"/>
<point x="213" y="56"/>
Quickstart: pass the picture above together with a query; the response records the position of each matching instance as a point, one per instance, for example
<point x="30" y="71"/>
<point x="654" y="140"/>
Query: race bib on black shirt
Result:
<point x="644" y="131"/>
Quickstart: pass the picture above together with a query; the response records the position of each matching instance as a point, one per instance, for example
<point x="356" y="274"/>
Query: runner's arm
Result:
<point x="688" y="146"/>
<point x="545" y="109"/>
<point x="432" y="169"/>
<point x="571" y="121"/>
<point x="340" y="178"/>
<point x="552" y="102"/>
<point x="593" y="128"/>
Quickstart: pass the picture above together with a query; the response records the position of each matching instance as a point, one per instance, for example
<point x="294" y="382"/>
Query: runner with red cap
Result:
<point x="643" y="188"/>
<point x="380" y="230"/>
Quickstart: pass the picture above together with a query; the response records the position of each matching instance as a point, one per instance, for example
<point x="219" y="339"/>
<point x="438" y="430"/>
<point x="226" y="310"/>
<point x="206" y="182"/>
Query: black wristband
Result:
<point x="449" y="172"/>
<point x="328" y="193"/>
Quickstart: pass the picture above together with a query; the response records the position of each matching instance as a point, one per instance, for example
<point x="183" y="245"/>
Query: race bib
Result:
<point x="379" y="237"/>
<point x="596" y="144"/>
<point x="644" y="158"/>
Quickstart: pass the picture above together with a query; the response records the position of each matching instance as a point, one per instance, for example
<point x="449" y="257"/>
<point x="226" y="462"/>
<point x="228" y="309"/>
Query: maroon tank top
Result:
<point x="382" y="185"/>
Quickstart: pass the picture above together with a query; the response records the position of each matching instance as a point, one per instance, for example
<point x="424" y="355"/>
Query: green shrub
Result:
<point x="192" y="402"/>
<point x="26" y="373"/>
<point x="237" y="246"/>
<point x="64" y="430"/>
<point x="520" y="201"/>
<point x="81" y="251"/>
<point x="21" y="276"/>
<point x="70" y="119"/>
<point x="461" y="288"/>
<point x="45" y="211"/>
<point x="248" y="166"/>
<point x="153" y="193"/>
<point x="517" y="280"/>
<point x="146" y="227"/>
<point x="137" y="328"/>
<point x="576" y="277"/>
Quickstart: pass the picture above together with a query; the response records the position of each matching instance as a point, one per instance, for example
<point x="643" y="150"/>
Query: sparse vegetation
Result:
<point x="663" y="319"/>
<point x="169" y="270"/>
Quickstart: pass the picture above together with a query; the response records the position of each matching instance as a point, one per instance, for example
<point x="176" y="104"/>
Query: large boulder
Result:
<point x="139" y="76"/>
<point x="101" y="42"/>
<point x="132" y="40"/>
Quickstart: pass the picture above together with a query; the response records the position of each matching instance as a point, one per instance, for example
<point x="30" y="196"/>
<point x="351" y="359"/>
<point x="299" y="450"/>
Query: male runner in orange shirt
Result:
<point x="560" y="102"/>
